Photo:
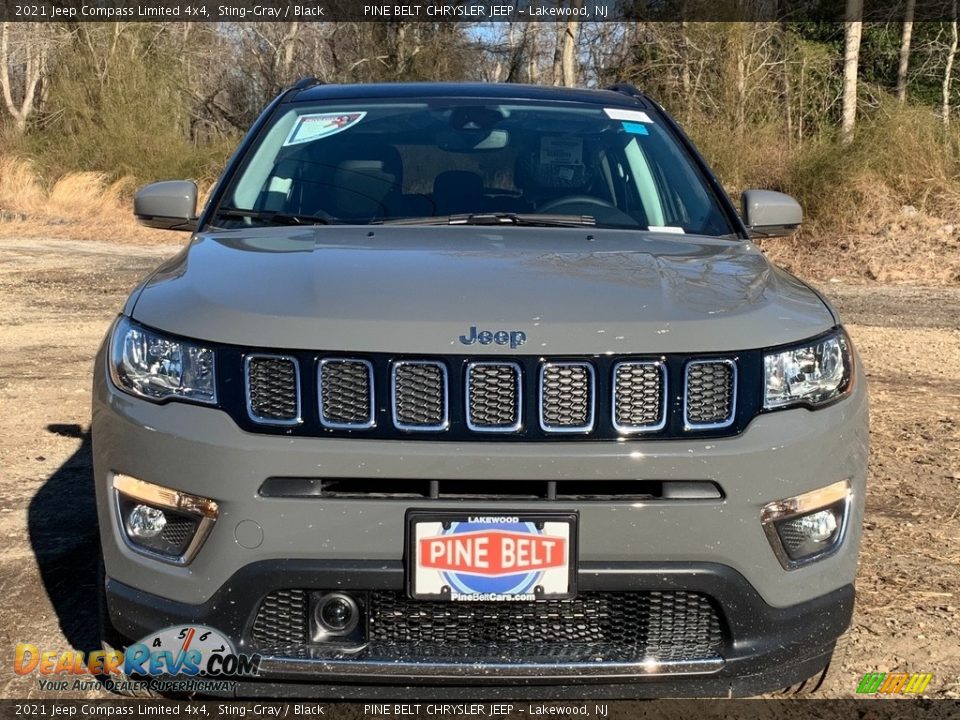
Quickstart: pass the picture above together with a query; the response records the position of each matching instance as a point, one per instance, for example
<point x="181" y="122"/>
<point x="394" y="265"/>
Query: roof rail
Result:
<point x="626" y="89"/>
<point x="306" y="82"/>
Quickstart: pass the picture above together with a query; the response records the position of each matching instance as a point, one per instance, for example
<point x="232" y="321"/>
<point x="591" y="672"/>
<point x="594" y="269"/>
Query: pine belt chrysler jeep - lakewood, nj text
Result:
<point x="480" y="391"/>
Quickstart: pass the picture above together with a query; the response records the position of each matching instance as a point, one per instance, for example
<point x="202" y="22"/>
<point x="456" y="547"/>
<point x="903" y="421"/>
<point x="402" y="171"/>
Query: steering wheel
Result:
<point x="576" y="200"/>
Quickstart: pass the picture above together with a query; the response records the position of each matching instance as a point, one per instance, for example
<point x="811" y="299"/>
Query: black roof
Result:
<point x="497" y="91"/>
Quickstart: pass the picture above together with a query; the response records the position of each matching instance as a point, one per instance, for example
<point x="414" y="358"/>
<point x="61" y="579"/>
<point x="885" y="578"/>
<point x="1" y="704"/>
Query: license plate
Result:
<point x="480" y="556"/>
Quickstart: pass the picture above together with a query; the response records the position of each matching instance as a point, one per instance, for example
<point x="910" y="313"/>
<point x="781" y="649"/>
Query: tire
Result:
<point x="809" y="686"/>
<point x="112" y="641"/>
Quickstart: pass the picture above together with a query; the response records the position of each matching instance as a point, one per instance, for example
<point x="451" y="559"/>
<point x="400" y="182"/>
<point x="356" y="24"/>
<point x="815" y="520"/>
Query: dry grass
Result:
<point x="83" y="205"/>
<point x="884" y="240"/>
<point x="886" y="207"/>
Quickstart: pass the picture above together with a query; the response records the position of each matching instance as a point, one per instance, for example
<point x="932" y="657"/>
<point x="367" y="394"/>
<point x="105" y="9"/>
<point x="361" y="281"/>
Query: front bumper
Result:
<point x="779" y="625"/>
<point x="765" y="648"/>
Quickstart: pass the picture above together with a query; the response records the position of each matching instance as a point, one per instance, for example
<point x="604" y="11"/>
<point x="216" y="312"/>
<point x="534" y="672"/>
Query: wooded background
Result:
<point x="842" y="115"/>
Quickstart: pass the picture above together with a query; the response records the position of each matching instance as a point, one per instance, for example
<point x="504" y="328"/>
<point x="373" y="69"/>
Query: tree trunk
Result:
<point x="686" y="82"/>
<point x="569" y="60"/>
<point x="851" y="62"/>
<point x="34" y="72"/>
<point x="948" y="71"/>
<point x="556" y="72"/>
<point x="787" y="82"/>
<point x="905" y="52"/>
<point x="289" y="47"/>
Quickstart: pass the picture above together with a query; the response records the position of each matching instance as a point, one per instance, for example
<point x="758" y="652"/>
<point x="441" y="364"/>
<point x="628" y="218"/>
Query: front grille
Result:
<point x="709" y="393"/>
<point x="458" y="398"/>
<point x="419" y="395"/>
<point x="656" y="623"/>
<point x="566" y="397"/>
<point x="273" y="389"/>
<point x="493" y="396"/>
<point x="638" y="396"/>
<point x="346" y="393"/>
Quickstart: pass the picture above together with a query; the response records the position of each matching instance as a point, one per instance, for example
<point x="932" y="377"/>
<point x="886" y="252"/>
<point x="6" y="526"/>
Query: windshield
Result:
<point x="466" y="161"/>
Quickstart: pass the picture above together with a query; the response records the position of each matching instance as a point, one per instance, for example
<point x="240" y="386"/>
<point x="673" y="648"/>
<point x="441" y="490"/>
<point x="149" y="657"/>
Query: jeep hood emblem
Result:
<point x="513" y="338"/>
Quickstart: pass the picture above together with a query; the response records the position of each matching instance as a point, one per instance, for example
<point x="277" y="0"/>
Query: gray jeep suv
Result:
<point x="480" y="391"/>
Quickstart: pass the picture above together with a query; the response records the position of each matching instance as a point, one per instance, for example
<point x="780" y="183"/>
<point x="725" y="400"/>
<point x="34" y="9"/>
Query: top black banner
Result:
<point x="474" y="11"/>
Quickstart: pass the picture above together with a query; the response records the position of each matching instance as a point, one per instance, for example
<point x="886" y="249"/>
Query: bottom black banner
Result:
<point x="866" y="709"/>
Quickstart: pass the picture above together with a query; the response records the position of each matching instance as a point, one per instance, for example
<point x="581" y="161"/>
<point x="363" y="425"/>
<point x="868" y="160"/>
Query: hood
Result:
<point x="419" y="289"/>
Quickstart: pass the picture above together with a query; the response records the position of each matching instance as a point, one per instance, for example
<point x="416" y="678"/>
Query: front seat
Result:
<point x="458" y="191"/>
<point x="365" y="183"/>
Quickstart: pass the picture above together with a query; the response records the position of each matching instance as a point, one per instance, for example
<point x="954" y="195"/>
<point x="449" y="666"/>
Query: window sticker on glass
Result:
<point x="627" y="115"/>
<point x="561" y="150"/>
<point x="316" y="126"/>
<point x="635" y="128"/>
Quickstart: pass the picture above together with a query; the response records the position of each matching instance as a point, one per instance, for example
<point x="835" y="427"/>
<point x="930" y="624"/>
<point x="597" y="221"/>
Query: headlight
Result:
<point x="811" y="375"/>
<point x="152" y="366"/>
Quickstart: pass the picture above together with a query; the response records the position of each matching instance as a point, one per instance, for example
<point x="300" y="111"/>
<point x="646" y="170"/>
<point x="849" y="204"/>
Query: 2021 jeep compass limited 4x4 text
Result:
<point x="480" y="390"/>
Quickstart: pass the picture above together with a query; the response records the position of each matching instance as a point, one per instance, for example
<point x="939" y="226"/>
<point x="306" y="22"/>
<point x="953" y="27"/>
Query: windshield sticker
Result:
<point x="560" y="150"/>
<point x="666" y="229"/>
<point x="628" y="115"/>
<point x="316" y="126"/>
<point x="635" y="128"/>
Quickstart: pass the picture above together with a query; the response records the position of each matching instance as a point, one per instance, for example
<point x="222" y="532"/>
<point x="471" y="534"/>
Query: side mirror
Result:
<point x="770" y="214"/>
<point x="169" y="205"/>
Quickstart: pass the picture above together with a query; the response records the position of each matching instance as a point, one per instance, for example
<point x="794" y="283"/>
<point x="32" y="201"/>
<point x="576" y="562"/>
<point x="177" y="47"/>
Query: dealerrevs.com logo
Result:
<point x="188" y="658"/>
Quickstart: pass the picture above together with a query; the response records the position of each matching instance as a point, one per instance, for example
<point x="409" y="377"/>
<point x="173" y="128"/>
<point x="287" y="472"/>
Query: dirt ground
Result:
<point x="57" y="298"/>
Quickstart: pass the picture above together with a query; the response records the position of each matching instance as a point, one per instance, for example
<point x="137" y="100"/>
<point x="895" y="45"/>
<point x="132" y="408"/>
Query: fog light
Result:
<point x="146" y="521"/>
<point x="807" y="527"/>
<point x="810" y="535"/>
<point x="337" y="614"/>
<point x="165" y="524"/>
<point x="817" y="527"/>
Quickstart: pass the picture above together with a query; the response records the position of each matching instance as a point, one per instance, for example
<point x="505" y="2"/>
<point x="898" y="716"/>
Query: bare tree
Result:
<point x="948" y="71"/>
<point x="905" y="51"/>
<point x="853" y="30"/>
<point x="569" y="62"/>
<point x="28" y="59"/>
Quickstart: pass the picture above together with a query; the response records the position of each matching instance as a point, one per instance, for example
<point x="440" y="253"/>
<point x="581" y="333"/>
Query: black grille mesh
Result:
<point x="493" y="398"/>
<point x="345" y="392"/>
<point x="282" y="619"/>
<point x="663" y="621"/>
<point x="638" y="393"/>
<point x="566" y="396"/>
<point x="709" y="392"/>
<point x="178" y="532"/>
<point x="272" y="389"/>
<point x="420" y="394"/>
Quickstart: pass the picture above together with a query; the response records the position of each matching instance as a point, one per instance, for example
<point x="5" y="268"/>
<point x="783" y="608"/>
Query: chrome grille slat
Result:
<point x="709" y="393"/>
<point x="346" y="393"/>
<point x="420" y="395"/>
<point x="272" y="387"/>
<point x="493" y="396"/>
<point x="567" y="397"/>
<point x="639" y="396"/>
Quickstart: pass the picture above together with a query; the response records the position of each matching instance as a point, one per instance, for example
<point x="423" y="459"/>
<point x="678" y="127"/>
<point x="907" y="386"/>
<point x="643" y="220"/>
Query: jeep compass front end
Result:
<point x="480" y="391"/>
